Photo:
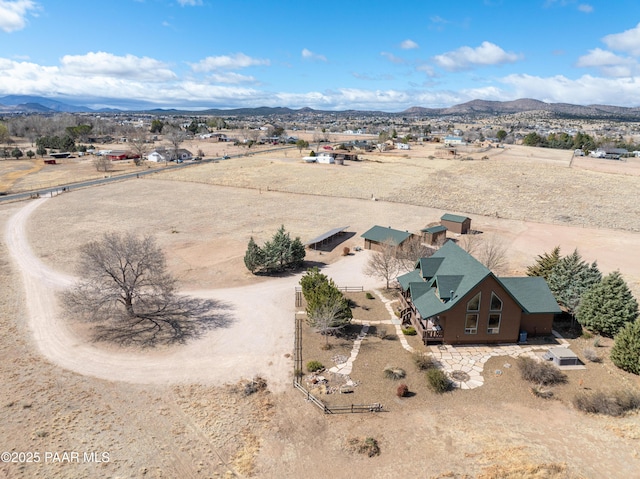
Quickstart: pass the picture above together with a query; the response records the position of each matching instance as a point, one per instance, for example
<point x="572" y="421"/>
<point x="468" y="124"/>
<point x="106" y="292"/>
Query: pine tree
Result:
<point x="254" y="257"/>
<point x="544" y="264"/>
<point x="607" y="306"/>
<point x="278" y="251"/>
<point x="626" y="350"/>
<point x="570" y="278"/>
<point x="297" y="253"/>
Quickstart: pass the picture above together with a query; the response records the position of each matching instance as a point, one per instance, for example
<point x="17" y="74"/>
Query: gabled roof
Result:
<point x="449" y="269"/>
<point x="453" y="218"/>
<point x="434" y="229"/>
<point x="380" y="234"/>
<point x="532" y="293"/>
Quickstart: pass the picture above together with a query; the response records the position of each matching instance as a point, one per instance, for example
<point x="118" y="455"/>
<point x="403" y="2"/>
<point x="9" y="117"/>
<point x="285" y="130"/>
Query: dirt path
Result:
<point x="258" y="341"/>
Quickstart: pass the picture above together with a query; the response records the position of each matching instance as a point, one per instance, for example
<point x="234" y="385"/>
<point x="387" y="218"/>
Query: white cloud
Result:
<point x="627" y="41"/>
<point x="608" y="63"/>
<point x="190" y="3"/>
<point x="107" y="64"/>
<point x="466" y="58"/>
<point x="232" y="78"/>
<point x="586" y="90"/>
<point x="227" y="62"/>
<point x="408" y="45"/>
<point x="13" y="14"/>
<point x="309" y="55"/>
<point x="392" y="58"/>
<point x="585" y="8"/>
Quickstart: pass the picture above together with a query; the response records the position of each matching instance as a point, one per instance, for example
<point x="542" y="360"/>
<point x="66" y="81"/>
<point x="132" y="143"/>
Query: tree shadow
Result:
<point x="183" y="320"/>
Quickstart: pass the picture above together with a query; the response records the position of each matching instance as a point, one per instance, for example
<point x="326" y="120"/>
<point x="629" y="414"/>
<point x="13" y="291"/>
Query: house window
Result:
<point x="496" y="303"/>
<point x="493" y="326"/>
<point x="474" y="304"/>
<point x="471" y="324"/>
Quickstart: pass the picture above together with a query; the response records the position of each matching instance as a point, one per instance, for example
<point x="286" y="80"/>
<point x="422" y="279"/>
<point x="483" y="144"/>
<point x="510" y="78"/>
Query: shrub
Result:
<point x="394" y="373"/>
<point x="255" y="385"/>
<point x="586" y="334"/>
<point x="596" y="341"/>
<point x="591" y="355"/>
<point x="313" y="366"/>
<point x="346" y="251"/>
<point x="541" y="393"/>
<point x="539" y="372"/>
<point x="368" y="446"/>
<point x="370" y="296"/>
<point x="612" y="404"/>
<point x="423" y="361"/>
<point x="297" y="373"/>
<point x="409" y="331"/>
<point x="438" y="381"/>
<point x="626" y="349"/>
<point x="402" y="390"/>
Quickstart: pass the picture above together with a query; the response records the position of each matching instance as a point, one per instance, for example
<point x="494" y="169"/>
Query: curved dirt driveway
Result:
<point x="256" y="342"/>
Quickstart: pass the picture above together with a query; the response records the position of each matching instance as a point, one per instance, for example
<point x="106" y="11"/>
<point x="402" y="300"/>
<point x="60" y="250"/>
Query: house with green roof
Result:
<point x="456" y="223"/>
<point x="377" y="237"/>
<point x="450" y="297"/>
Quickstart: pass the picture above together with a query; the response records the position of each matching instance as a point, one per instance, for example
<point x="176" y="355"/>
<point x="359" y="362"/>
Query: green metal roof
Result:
<point x="453" y="218"/>
<point x="434" y="229"/>
<point x="532" y="293"/>
<point x="380" y="234"/>
<point x="411" y="277"/>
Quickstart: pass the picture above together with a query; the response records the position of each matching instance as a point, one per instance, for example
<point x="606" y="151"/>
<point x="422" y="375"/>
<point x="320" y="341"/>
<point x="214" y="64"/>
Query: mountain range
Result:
<point x="474" y="108"/>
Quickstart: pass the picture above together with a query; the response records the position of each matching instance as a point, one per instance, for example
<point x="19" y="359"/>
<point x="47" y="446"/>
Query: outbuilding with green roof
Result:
<point x="456" y="223"/>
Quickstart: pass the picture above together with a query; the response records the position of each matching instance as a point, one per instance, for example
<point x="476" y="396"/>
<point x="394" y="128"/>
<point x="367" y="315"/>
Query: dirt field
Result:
<point x="180" y="421"/>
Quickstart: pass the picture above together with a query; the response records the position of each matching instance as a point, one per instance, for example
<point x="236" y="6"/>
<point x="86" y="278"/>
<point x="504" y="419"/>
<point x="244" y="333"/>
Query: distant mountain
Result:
<point x="41" y="104"/>
<point x="487" y="108"/>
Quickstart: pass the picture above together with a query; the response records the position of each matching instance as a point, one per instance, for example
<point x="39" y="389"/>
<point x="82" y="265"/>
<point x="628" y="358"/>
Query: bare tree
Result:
<point x="412" y="250"/>
<point x="327" y="316"/>
<point x="102" y="163"/>
<point x="138" y="142"/>
<point x="175" y="136"/>
<point x="384" y="264"/>
<point x="490" y="250"/>
<point x="127" y="291"/>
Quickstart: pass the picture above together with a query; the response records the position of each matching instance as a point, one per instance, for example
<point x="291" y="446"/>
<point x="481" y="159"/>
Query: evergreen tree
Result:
<point x="278" y="251"/>
<point x="544" y="264"/>
<point x="626" y="350"/>
<point x="570" y="278"/>
<point x="254" y="257"/>
<point x="607" y="306"/>
<point x="297" y="253"/>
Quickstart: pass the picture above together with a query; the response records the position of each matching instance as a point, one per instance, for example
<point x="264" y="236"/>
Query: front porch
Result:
<point x="428" y="329"/>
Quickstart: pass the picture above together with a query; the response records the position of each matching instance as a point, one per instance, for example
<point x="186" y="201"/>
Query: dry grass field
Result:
<point x="203" y="217"/>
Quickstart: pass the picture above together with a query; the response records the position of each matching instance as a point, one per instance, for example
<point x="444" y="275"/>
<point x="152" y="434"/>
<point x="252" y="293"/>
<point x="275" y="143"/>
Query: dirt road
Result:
<point x="258" y="341"/>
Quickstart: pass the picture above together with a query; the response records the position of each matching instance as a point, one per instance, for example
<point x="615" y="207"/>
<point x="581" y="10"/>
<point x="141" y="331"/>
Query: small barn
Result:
<point x="378" y="237"/>
<point x="433" y="235"/>
<point x="456" y="223"/>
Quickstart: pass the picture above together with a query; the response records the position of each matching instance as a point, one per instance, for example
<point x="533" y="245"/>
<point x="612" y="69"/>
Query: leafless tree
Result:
<point x="384" y="264"/>
<point x="138" y="143"/>
<point x="102" y="163"/>
<point x="175" y="136"/>
<point x="128" y="293"/>
<point x="412" y="250"/>
<point x="490" y="250"/>
<point x="327" y="317"/>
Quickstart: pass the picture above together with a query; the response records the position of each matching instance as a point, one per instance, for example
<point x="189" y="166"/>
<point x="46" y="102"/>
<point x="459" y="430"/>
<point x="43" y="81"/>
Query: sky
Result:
<point x="327" y="55"/>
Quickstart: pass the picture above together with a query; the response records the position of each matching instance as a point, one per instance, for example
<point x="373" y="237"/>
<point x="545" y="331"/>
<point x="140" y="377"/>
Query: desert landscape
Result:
<point x="183" y="410"/>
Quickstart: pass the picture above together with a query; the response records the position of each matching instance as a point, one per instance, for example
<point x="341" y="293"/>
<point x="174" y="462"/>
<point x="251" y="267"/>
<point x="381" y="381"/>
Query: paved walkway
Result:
<point x="463" y="364"/>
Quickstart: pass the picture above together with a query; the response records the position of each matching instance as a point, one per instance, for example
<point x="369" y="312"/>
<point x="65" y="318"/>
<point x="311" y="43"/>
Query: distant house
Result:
<point x="456" y="223"/>
<point x="377" y="237"/>
<point x="452" y="298"/>
<point x="453" y="140"/>
<point x="156" y="157"/>
<point x="165" y="154"/>
<point x="434" y="235"/>
<point x="403" y="146"/>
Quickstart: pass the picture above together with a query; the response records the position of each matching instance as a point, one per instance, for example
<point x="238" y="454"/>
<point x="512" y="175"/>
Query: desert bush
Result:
<point x="391" y="372"/>
<point x="539" y="372"/>
<point x="423" y="361"/>
<point x="255" y="385"/>
<point x="540" y="392"/>
<point x="409" y="331"/>
<point x="591" y="355"/>
<point x="346" y="251"/>
<point x="438" y="381"/>
<point x="402" y="390"/>
<point x="313" y="366"/>
<point x="369" y="295"/>
<point x="611" y="404"/>
<point x="368" y="446"/>
<point x="597" y="341"/>
<point x="586" y="334"/>
<point x="297" y="372"/>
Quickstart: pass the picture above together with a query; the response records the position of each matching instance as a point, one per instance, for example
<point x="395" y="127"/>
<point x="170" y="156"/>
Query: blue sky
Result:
<point x="331" y="55"/>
